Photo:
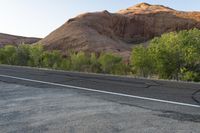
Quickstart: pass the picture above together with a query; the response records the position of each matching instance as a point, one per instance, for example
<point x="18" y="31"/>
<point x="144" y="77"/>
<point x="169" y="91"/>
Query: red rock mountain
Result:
<point x="16" y="40"/>
<point x="118" y="32"/>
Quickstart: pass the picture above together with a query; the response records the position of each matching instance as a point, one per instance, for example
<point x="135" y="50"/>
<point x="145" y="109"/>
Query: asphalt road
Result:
<point x="37" y="100"/>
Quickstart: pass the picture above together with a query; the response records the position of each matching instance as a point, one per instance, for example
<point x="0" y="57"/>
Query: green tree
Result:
<point x="8" y="55"/>
<point x="191" y="47"/>
<point x="110" y="63"/>
<point x="79" y="61"/>
<point x="94" y="64"/>
<point x="22" y="55"/>
<point x="142" y="61"/>
<point x="36" y="52"/>
<point x="174" y="55"/>
<point x="168" y="55"/>
<point x="65" y="64"/>
<point x="51" y="59"/>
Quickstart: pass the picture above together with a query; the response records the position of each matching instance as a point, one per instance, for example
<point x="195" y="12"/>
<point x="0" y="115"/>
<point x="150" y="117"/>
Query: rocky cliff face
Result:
<point x="16" y="40"/>
<point x="118" y="32"/>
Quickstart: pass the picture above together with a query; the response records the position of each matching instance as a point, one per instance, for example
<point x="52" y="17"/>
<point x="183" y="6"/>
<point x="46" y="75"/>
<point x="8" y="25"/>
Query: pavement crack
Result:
<point x="180" y="116"/>
<point x="194" y="96"/>
<point x="148" y="85"/>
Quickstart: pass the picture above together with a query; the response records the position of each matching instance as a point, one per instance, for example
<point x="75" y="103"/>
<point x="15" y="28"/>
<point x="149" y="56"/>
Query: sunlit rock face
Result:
<point x="119" y="32"/>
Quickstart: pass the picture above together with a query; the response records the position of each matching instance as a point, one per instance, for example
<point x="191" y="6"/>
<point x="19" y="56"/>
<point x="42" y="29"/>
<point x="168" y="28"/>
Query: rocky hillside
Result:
<point x="16" y="40"/>
<point x="118" y="32"/>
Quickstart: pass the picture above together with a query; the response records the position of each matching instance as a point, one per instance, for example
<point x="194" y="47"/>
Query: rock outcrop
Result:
<point x="6" y="39"/>
<point x="118" y="32"/>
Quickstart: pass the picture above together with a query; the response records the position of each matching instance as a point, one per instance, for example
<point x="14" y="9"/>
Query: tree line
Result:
<point x="36" y="56"/>
<point x="174" y="55"/>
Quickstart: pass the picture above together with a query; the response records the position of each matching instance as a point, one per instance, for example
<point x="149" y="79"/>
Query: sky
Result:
<point x="37" y="18"/>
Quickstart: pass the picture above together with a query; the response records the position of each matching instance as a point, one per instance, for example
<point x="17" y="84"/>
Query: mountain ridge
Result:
<point x="119" y="32"/>
<point x="6" y="39"/>
<point x="113" y="32"/>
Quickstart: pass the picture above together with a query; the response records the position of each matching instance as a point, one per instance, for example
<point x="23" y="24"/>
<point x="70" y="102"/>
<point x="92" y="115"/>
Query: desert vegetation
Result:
<point x="36" y="56"/>
<point x="174" y="55"/>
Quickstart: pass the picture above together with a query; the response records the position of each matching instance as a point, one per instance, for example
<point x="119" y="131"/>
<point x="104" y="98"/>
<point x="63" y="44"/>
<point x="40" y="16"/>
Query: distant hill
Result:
<point x="16" y="40"/>
<point x="118" y="32"/>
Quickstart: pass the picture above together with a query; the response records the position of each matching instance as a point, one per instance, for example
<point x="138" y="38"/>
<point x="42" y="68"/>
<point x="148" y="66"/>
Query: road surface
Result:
<point x="38" y="100"/>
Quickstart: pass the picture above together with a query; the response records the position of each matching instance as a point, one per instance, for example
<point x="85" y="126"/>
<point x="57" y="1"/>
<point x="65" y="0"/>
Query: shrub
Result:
<point x="95" y="66"/>
<point x="8" y="55"/>
<point x="22" y="55"/>
<point x="51" y="59"/>
<point x="168" y="55"/>
<point x="110" y="63"/>
<point x="36" y="53"/>
<point x="65" y="64"/>
<point x="142" y="61"/>
<point x="79" y="61"/>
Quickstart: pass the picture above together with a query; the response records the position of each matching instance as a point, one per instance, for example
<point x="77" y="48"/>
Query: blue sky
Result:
<point x="39" y="17"/>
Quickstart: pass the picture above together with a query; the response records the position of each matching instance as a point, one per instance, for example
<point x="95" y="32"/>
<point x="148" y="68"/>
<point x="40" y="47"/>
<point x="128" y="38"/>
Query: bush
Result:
<point x="110" y="63"/>
<point x="36" y="53"/>
<point x="189" y="75"/>
<point x="65" y="64"/>
<point x="79" y="61"/>
<point x="51" y="59"/>
<point x="22" y="55"/>
<point x="95" y="66"/>
<point x="142" y="61"/>
<point x="8" y="55"/>
<point x="168" y="55"/>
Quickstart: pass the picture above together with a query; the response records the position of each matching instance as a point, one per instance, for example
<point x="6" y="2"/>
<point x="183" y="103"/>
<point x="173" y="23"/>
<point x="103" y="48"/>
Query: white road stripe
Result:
<point x="105" y="92"/>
